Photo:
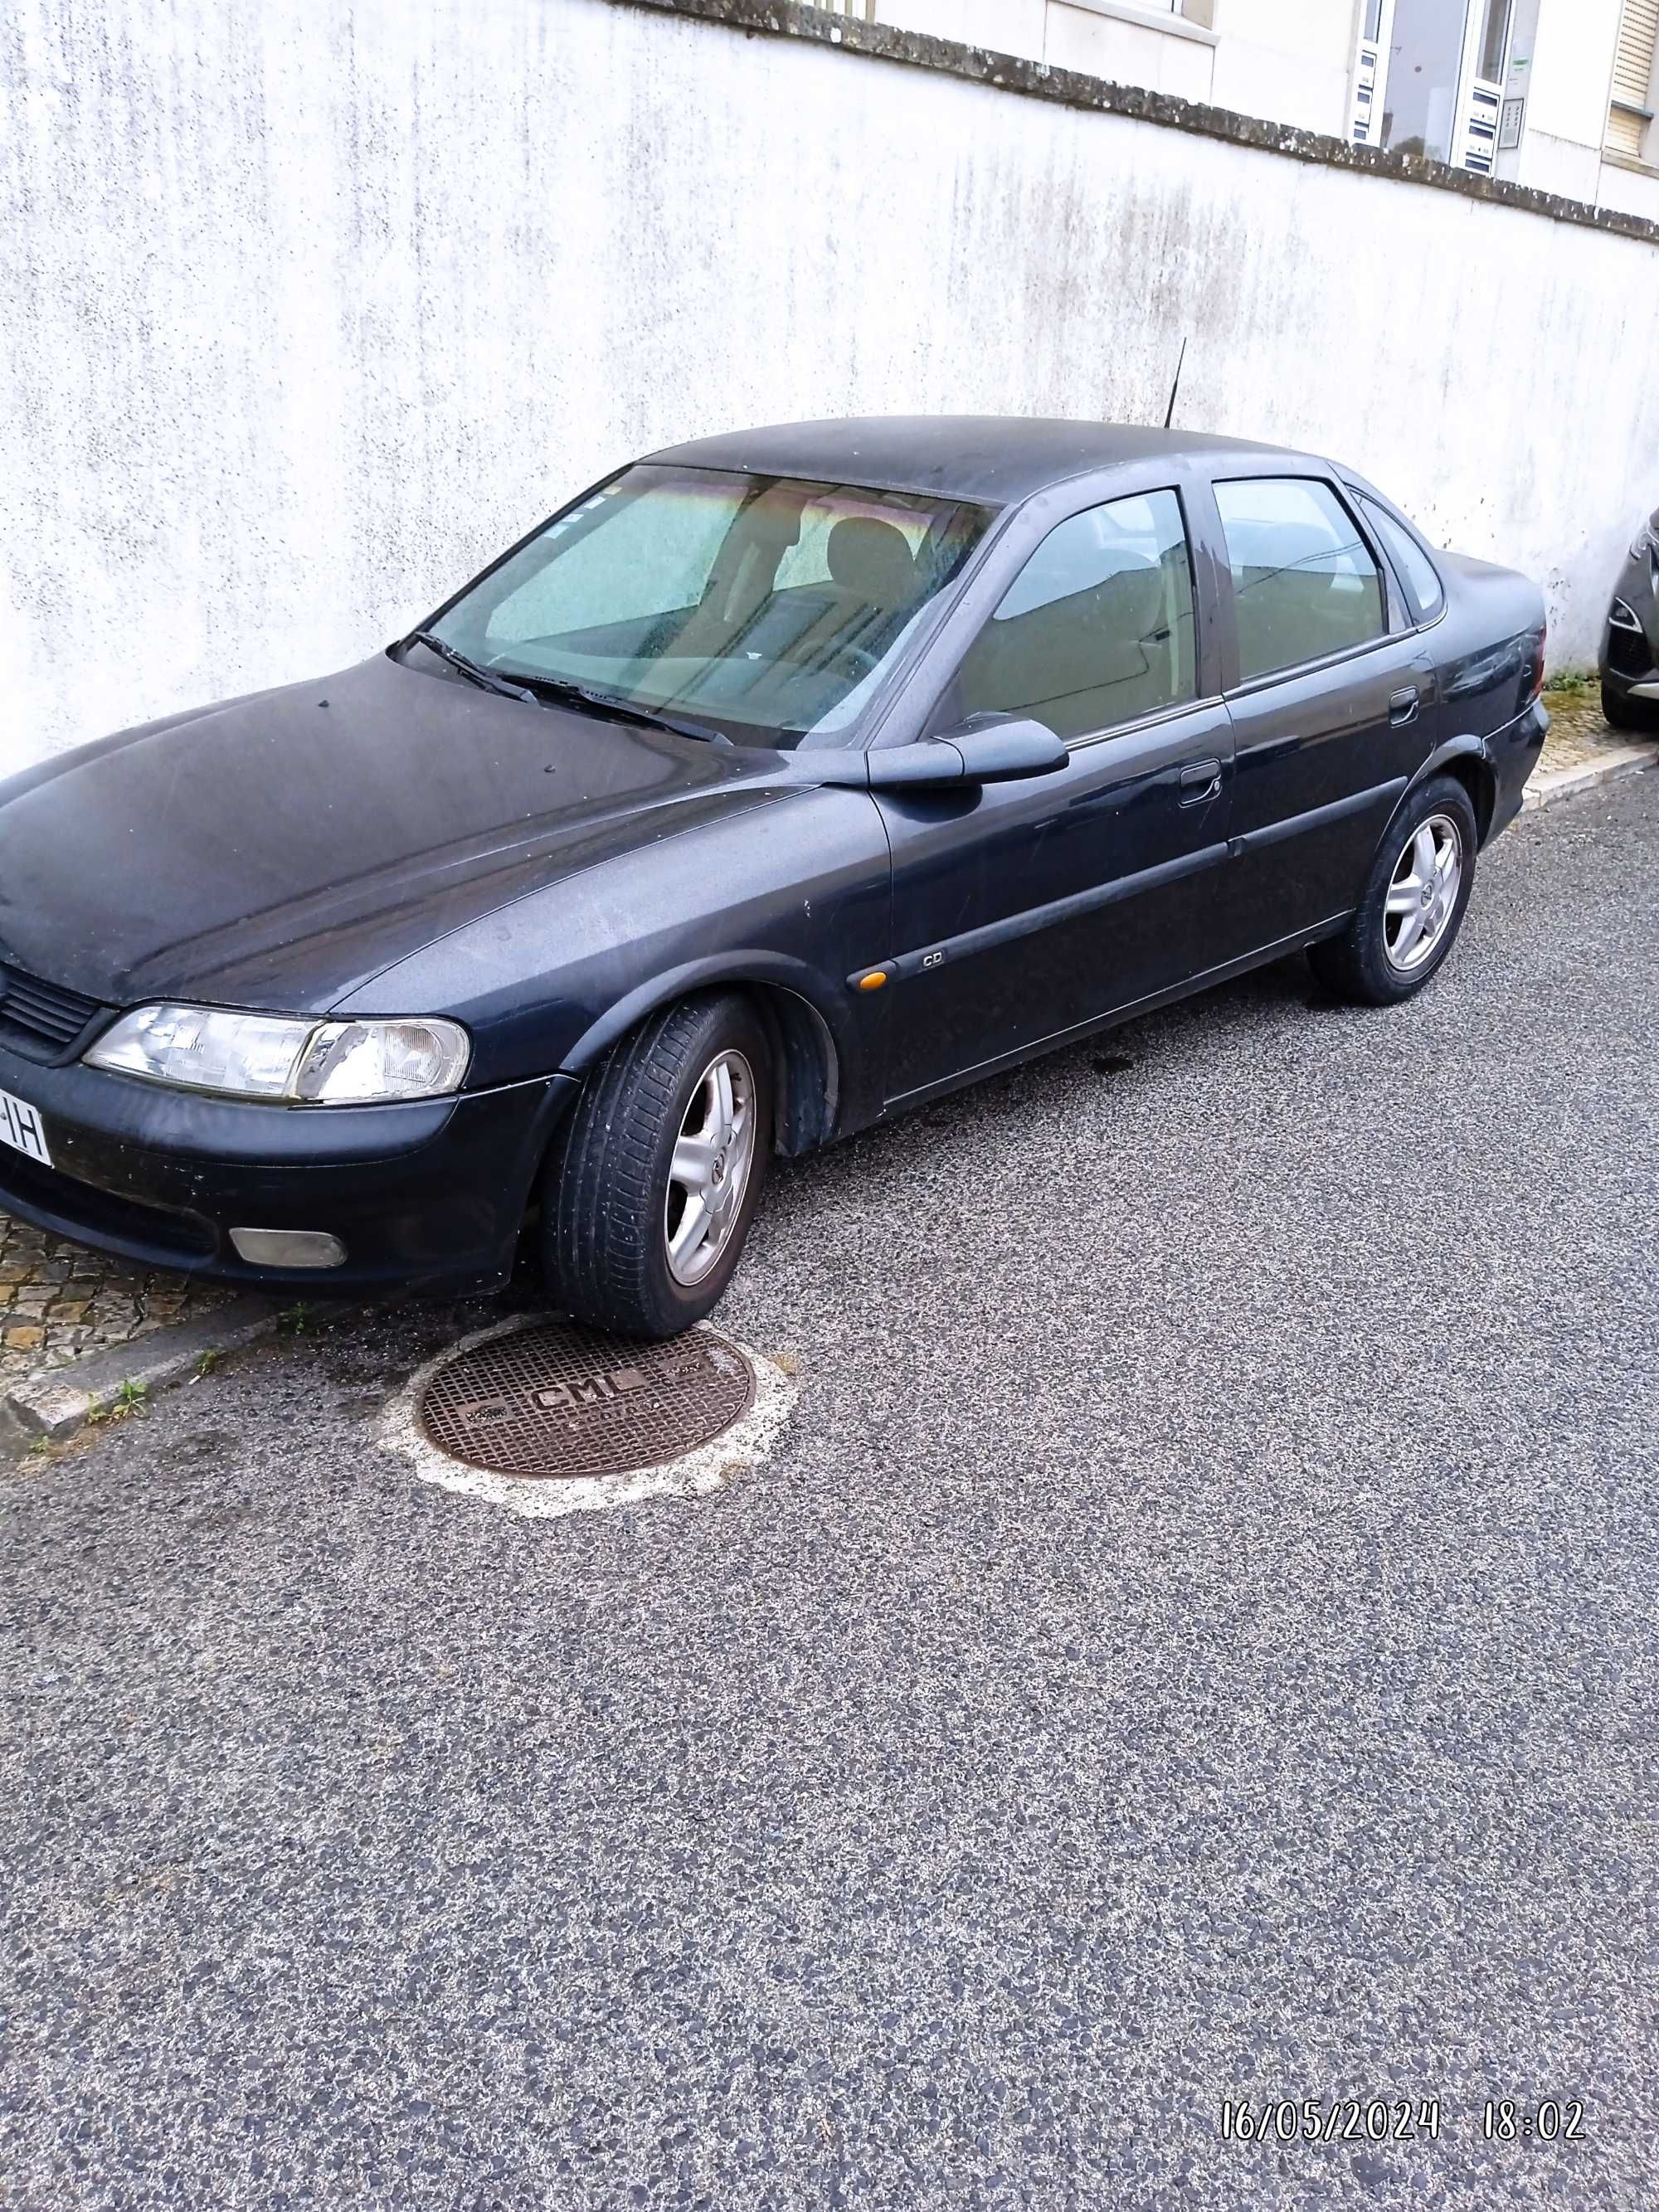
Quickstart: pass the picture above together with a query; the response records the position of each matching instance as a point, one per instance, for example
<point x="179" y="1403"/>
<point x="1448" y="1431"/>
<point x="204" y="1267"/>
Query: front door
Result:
<point x="1023" y="911"/>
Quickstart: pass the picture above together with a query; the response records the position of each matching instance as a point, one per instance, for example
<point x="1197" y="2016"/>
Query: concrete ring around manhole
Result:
<point x="544" y="1418"/>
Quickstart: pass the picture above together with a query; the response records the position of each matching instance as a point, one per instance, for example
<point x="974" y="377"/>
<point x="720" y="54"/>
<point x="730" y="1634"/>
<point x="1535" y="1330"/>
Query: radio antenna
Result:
<point x="1168" y="419"/>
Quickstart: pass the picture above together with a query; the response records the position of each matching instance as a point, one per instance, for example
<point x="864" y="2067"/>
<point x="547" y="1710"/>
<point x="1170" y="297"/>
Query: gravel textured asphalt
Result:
<point x="1195" y="1638"/>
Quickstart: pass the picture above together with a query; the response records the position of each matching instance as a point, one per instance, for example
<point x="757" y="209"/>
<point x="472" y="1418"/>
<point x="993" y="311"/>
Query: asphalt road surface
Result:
<point x="1195" y="1640"/>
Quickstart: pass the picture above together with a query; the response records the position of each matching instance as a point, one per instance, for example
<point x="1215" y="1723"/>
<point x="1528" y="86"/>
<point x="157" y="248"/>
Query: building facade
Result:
<point x="1559" y="94"/>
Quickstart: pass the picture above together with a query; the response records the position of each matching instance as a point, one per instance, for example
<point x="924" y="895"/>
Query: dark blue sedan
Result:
<point x="781" y="782"/>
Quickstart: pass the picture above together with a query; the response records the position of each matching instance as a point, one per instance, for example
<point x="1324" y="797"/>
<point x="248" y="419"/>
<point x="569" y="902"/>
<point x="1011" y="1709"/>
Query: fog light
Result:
<point x="287" y="1248"/>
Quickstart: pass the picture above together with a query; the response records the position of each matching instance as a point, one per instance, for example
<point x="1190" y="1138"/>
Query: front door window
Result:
<point x="1098" y="628"/>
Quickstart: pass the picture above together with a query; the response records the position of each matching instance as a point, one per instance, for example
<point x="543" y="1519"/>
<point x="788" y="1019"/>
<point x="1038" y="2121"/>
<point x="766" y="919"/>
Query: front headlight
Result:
<point x="297" y="1060"/>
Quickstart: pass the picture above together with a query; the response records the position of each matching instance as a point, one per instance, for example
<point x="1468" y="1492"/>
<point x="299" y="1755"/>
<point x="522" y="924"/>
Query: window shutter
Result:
<point x="1632" y="76"/>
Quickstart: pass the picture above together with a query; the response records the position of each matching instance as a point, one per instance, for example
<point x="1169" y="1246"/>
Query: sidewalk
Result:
<point x="1582" y="750"/>
<point x="59" y="1301"/>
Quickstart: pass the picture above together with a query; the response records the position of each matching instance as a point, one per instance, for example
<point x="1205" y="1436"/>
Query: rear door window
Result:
<point x="1305" y="584"/>
<point x="1097" y="629"/>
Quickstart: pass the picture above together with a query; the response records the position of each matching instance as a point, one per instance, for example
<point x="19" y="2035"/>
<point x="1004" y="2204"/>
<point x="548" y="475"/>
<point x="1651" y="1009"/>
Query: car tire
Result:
<point x="1628" y="714"/>
<point x="682" y="1106"/>
<point x="1411" y="907"/>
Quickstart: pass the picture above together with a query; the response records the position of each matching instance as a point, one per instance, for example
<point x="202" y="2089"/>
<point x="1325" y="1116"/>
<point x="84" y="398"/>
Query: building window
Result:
<point x="1632" y="111"/>
<point x="1425" y="64"/>
<point x="1494" y="50"/>
<point x="1429" y="78"/>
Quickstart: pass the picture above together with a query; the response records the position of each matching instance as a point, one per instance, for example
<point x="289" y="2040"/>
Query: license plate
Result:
<point x="20" y="1127"/>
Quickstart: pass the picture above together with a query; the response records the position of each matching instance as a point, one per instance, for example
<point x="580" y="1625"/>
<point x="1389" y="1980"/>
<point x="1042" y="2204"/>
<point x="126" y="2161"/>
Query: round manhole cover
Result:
<point x="556" y="1400"/>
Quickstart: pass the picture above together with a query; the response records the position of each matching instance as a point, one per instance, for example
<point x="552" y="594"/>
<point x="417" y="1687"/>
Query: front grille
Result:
<point x="41" y="1020"/>
<point x="1627" y="653"/>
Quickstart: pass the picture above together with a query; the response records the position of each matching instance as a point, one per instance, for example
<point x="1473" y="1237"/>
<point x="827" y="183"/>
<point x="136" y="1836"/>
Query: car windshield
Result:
<point x="768" y="608"/>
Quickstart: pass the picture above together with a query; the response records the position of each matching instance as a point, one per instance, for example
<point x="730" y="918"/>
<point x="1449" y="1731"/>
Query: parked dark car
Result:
<point x="1630" y="646"/>
<point x="781" y="782"/>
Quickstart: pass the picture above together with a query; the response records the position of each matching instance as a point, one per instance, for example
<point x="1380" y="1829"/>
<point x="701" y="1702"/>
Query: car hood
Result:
<point x="279" y="851"/>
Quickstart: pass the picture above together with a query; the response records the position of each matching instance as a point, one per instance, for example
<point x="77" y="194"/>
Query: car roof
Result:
<point x="998" y="458"/>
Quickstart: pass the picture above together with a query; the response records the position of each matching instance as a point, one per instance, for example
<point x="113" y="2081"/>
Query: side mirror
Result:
<point x="978" y="753"/>
<point x="1000" y="752"/>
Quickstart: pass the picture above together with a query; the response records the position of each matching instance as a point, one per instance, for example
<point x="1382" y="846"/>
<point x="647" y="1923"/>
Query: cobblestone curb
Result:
<point x="58" y="1403"/>
<point x="1550" y="784"/>
<point x="59" y="1301"/>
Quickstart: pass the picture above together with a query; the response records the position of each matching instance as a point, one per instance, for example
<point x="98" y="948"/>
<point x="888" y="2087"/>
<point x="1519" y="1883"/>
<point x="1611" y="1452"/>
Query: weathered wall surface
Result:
<point x="307" y="308"/>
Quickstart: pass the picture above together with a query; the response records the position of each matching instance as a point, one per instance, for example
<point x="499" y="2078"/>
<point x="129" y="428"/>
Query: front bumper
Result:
<point x="426" y="1196"/>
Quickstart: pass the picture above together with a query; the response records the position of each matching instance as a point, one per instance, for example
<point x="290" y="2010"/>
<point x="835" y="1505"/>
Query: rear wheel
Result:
<point x="1412" y="905"/>
<point x="649" y="1199"/>
<point x="1629" y="713"/>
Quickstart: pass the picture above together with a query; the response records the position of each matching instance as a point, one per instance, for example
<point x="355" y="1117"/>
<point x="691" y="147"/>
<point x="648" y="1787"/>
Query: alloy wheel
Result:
<point x="1423" y="892"/>
<point x="709" y="1172"/>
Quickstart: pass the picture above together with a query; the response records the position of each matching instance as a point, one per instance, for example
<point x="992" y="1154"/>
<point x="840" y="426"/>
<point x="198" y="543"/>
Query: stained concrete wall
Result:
<point x="307" y="308"/>
<point x="1291" y="60"/>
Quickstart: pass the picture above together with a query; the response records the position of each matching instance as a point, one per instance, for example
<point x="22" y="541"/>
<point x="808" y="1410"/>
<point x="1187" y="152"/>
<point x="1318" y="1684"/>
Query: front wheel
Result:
<point x="649" y="1198"/>
<point x="1413" y="904"/>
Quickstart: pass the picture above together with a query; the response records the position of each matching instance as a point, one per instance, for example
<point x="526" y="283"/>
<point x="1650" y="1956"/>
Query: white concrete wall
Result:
<point x="1570" y="84"/>
<point x="1169" y="60"/>
<point x="1562" y="165"/>
<point x="1006" y="26"/>
<point x="1632" y="192"/>
<point x="1572" y="71"/>
<point x="1149" y="44"/>
<point x="1291" y="60"/>
<point x="306" y="310"/>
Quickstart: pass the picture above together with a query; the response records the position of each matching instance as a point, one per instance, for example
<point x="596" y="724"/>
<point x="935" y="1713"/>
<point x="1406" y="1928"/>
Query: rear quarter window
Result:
<point x="1416" y="572"/>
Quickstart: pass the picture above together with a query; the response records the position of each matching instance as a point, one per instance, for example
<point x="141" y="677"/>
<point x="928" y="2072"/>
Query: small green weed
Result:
<point x="1570" y="687"/>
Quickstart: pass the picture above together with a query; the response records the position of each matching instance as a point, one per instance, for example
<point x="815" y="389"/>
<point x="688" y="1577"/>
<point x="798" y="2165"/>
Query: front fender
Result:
<point x="741" y="967"/>
<point x="789" y="899"/>
<point x="811" y="1035"/>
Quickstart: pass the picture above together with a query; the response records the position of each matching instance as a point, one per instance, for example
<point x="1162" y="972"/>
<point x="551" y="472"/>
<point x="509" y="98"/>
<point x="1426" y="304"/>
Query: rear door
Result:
<point x="1333" y="700"/>
<point x="1025" y="910"/>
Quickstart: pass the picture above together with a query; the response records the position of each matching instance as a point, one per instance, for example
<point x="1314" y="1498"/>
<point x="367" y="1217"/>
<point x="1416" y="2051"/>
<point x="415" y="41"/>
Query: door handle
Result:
<point x="1402" y="708"/>
<point x="1200" y="781"/>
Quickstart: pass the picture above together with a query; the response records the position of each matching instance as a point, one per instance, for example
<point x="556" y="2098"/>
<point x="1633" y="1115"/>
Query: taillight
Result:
<point x="1538" y="662"/>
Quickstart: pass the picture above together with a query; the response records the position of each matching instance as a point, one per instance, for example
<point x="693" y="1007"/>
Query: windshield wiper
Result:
<point x="485" y="677"/>
<point x="624" y="710"/>
<point x="558" y="688"/>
